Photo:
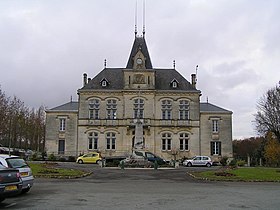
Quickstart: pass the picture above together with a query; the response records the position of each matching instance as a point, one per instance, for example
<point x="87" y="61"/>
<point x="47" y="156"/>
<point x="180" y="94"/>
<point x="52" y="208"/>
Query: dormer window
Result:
<point x="104" y="82"/>
<point x="174" y="83"/>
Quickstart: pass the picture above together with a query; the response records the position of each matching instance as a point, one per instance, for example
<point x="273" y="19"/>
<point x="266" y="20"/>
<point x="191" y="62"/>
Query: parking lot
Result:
<point x="144" y="189"/>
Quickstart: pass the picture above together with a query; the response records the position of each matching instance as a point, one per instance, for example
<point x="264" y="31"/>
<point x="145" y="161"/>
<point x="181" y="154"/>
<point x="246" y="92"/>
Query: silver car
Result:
<point x="198" y="161"/>
<point x="12" y="161"/>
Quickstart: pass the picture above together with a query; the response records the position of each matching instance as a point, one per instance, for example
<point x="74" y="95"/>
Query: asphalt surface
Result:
<point x="144" y="189"/>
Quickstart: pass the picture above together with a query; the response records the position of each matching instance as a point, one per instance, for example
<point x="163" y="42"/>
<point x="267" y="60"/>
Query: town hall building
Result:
<point x="175" y="123"/>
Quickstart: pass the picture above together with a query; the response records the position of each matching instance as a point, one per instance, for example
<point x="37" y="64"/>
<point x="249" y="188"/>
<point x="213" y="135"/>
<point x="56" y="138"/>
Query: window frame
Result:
<point x="166" y="109"/>
<point x="138" y="105"/>
<point x="166" y="141"/>
<point x="216" y="147"/>
<point x="111" y="109"/>
<point x="110" y="141"/>
<point x="94" y="107"/>
<point x="184" y="142"/>
<point x="62" y="124"/>
<point x="184" y="110"/>
<point x="93" y="140"/>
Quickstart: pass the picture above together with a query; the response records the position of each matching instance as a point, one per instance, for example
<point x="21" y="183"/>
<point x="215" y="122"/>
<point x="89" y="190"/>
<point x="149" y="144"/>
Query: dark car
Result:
<point x="10" y="182"/>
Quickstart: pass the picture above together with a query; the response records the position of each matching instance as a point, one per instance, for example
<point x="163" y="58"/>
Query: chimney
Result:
<point x="85" y="79"/>
<point x="194" y="80"/>
<point x="88" y="80"/>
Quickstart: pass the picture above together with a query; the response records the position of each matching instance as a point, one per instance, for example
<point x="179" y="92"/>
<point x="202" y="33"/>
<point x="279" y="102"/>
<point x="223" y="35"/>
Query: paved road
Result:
<point x="144" y="189"/>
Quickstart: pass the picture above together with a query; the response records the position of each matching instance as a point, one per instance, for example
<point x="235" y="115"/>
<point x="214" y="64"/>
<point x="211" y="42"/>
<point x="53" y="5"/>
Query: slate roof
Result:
<point x="163" y="78"/>
<point x="70" y="106"/>
<point x="204" y="107"/>
<point x="139" y="43"/>
<point x="207" y="107"/>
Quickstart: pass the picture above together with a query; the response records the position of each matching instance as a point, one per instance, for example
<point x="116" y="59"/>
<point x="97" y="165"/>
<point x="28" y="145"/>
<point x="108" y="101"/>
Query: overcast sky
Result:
<point x="46" y="46"/>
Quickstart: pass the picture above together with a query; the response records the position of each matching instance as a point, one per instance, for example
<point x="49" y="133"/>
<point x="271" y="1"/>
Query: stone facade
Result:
<point x="175" y="123"/>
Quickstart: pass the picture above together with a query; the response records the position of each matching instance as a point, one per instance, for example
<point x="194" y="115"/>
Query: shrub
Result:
<point x="71" y="159"/>
<point x="62" y="159"/>
<point x="224" y="161"/>
<point x="34" y="156"/>
<point x="240" y="163"/>
<point x="52" y="157"/>
<point x="233" y="163"/>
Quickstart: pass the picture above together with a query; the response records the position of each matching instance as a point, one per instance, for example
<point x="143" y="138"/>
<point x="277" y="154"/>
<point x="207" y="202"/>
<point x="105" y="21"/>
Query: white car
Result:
<point x="198" y="161"/>
<point x="12" y="161"/>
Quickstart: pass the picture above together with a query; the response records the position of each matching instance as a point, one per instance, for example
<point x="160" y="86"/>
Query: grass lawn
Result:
<point x="242" y="174"/>
<point x="50" y="170"/>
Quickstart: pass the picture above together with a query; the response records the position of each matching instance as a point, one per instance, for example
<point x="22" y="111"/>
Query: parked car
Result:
<point x="10" y="182"/>
<point x="92" y="157"/>
<point x="16" y="162"/>
<point x="198" y="161"/>
<point x="150" y="157"/>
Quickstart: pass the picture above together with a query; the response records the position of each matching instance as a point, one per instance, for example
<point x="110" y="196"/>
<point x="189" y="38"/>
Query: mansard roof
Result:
<point x="204" y="108"/>
<point x="68" y="107"/>
<point x="207" y="107"/>
<point x="163" y="77"/>
<point x="139" y="44"/>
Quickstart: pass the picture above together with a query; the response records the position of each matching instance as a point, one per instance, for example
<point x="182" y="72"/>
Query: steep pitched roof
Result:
<point x="70" y="106"/>
<point x="139" y="43"/>
<point x="207" y="107"/>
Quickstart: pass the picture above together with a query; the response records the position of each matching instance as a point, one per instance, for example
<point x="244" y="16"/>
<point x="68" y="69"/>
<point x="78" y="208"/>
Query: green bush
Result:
<point x="52" y="157"/>
<point x="240" y="163"/>
<point x="223" y="161"/>
<point x="34" y="156"/>
<point x="71" y="159"/>
<point x="233" y="163"/>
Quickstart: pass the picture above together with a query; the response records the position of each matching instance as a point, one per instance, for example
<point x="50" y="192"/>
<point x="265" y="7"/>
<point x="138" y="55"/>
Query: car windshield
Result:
<point x="16" y="163"/>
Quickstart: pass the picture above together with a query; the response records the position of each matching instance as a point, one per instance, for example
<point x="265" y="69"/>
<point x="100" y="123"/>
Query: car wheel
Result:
<point x="80" y="161"/>
<point x="189" y="164"/>
<point x="97" y="162"/>
<point x="208" y="165"/>
<point x="25" y="190"/>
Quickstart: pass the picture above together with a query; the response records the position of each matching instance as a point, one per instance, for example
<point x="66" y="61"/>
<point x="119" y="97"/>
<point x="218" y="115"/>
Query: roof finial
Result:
<point x="144" y="19"/>
<point x="71" y="99"/>
<point x="174" y="64"/>
<point x="105" y="63"/>
<point x="207" y="99"/>
<point x="196" y="73"/>
<point x="135" y="32"/>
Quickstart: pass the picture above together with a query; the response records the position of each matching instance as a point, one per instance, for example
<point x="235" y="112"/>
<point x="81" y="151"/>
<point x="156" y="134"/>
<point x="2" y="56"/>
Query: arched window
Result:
<point x="94" y="106"/>
<point x="111" y="141"/>
<point x="92" y="140"/>
<point x="184" y="141"/>
<point x="166" y="109"/>
<point x="138" y="108"/>
<point x="166" y="142"/>
<point x="184" y="108"/>
<point x="111" y="109"/>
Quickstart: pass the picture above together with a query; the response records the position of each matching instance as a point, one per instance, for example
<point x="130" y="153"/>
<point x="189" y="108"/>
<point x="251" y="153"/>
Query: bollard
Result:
<point x="155" y="165"/>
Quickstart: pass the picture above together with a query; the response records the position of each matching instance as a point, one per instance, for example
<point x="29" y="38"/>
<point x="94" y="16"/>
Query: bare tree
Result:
<point x="267" y="118"/>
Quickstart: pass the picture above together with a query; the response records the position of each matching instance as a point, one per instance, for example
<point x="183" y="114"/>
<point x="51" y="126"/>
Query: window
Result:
<point x="94" y="109"/>
<point x="61" y="146"/>
<point x="174" y="84"/>
<point x="215" y="126"/>
<point x="184" y="142"/>
<point x="111" y="141"/>
<point x="111" y="109"/>
<point x="139" y="108"/>
<point x="184" y="110"/>
<point x="62" y="123"/>
<point x="104" y="83"/>
<point x="166" y="109"/>
<point x="216" y="148"/>
<point x="166" y="142"/>
<point x="92" y="140"/>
